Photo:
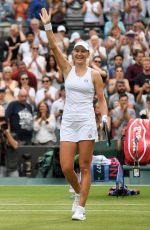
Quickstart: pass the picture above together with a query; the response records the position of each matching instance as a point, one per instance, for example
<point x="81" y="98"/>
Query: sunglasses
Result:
<point x="35" y="48"/>
<point x="96" y="61"/>
<point x="24" y="78"/>
<point x="45" y="81"/>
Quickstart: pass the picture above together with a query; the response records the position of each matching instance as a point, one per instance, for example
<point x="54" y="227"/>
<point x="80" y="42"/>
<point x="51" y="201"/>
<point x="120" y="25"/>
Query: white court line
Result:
<point x="93" y="210"/>
<point x="9" y="204"/>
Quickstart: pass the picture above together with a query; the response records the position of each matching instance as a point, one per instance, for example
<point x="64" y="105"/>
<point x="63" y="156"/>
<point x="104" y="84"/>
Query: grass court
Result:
<point x="49" y="208"/>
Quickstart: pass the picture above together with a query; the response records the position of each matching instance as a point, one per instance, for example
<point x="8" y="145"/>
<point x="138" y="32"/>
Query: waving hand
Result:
<point x="45" y="16"/>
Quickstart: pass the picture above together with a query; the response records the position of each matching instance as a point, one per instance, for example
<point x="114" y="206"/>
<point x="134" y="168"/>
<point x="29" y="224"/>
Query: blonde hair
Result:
<point x="146" y="59"/>
<point x="7" y="68"/>
<point x="14" y="27"/>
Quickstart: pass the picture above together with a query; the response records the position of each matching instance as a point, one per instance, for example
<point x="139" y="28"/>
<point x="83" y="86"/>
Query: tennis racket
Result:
<point x="107" y="134"/>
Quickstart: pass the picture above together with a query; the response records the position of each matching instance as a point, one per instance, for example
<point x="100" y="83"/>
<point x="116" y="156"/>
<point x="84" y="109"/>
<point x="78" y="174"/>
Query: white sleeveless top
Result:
<point x="89" y="16"/>
<point x="79" y="97"/>
<point x="78" y="121"/>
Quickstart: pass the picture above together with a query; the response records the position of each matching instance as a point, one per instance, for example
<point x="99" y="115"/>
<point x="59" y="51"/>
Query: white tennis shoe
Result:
<point x="79" y="214"/>
<point x="76" y="202"/>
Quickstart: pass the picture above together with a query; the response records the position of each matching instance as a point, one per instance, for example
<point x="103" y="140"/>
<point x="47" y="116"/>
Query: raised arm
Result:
<point x="62" y="62"/>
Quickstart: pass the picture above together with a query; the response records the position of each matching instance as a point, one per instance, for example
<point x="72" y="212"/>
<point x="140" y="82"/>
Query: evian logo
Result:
<point x="137" y="130"/>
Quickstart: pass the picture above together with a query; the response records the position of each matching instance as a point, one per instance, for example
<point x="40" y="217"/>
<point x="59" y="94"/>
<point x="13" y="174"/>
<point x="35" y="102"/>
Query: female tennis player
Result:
<point x="78" y="128"/>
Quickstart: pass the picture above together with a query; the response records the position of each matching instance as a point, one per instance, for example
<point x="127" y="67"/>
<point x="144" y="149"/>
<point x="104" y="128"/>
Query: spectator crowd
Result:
<point x="32" y="90"/>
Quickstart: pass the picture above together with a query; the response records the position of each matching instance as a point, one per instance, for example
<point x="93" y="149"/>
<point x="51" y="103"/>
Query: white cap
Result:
<point x="61" y="28"/>
<point x="74" y="36"/>
<point x="82" y="43"/>
<point x="130" y="32"/>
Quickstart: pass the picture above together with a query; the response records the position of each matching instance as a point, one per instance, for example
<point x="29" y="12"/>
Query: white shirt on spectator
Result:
<point x="43" y="35"/>
<point x="40" y="95"/>
<point x="89" y="16"/>
<point x="25" y="50"/>
<point x="45" y="130"/>
<point x="56" y="106"/>
<point x="42" y="63"/>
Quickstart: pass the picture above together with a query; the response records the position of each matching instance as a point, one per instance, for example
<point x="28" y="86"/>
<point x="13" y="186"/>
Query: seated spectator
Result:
<point x="6" y="12"/>
<point x="57" y="110"/>
<point x="92" y="11"/>
<point x="23" y="69"/>
<point x="53" y="72"/>
<point x="111" y="44"/>
<point x="44" y="126"/>
<point x="96" y="63"/>
<point x="10" y="84"/>
<point x="113" y="22"/>
<point x="19" y="115"/>
<point x="92" y="32"/>
<point x="47" y="93"/>
<point x="24" y="83"/>
<point x="25" y="49"/>
<point x="20" y="8"/>
<point x="34" y="9"/>
<point x="62" y="40"/>
<point x="15" y="39"/>
<point x="115" y="4"/>
<point x="14" y="66"/>
<point x="139" y="28"/>
<point x="138" y="44"/>
<point x="132" y="11"/>
<point x="96" y="49"/>
<point x="40" y="37"/>
<point x="120" y="116"/>
<point x="135" y="69"/>
<point x="36" y="64"/>
<point x="118" y="75"/>
<point x="58" y="13"/>
<point x="145" y="113"/>
<point x="124" y="47"/>
<point x="118" y="61"/>
<point x="143" y="77"/>
<point x="131" y="46"/>
<point x="120" y="89"/>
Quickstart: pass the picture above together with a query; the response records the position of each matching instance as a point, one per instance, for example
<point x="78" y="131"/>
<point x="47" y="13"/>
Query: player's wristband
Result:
<point x="104" y="119"/>
<point x="48" y="27"/>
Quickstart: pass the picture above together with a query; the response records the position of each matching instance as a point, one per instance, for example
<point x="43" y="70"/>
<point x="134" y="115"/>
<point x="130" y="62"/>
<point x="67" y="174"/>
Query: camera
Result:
<point x="3" y="124"/>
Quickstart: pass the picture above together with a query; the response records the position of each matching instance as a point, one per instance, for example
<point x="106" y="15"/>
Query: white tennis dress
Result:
<point x="78" y="121"/>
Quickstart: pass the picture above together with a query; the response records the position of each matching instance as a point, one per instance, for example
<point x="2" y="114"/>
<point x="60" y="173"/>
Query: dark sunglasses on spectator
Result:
<point x="45" y="81"/>
<point x="35" y="48"/>
<point x="97" y="61"/>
